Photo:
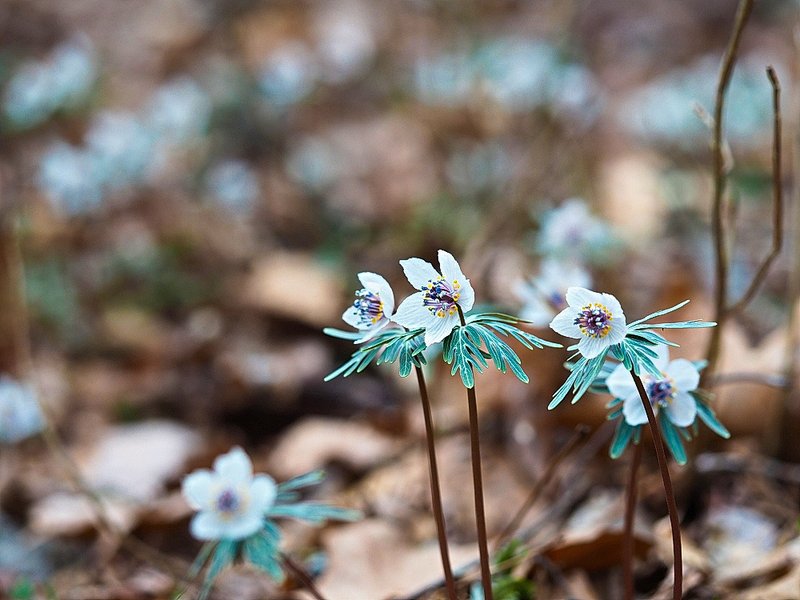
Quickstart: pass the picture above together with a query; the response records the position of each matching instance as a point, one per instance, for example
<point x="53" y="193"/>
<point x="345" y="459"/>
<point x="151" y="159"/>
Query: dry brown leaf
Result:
<point x="315" y="442"/>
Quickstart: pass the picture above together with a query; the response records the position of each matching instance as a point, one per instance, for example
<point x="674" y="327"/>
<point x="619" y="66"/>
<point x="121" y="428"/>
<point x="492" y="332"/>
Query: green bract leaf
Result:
<point x="658" y="313"/>
<point x="672" y="439"/>
<point x="343" y="335"/>
<point x="708" y="417"/>
<point x="313" y="512"/>
<point x="223" y="555"/>
<point x="386" y="347"/>
<point x="263" y="552"/>
<point x="622" y="436"/>
<point x="582" y="375"/>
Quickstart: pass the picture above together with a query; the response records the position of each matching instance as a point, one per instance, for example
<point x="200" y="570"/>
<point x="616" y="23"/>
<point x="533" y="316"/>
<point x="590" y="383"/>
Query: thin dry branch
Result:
<point x="718" y="206"/>
<point x="777" y="194"/>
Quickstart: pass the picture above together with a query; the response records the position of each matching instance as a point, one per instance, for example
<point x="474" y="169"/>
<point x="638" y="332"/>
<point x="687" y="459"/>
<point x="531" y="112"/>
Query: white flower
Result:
<point x="231" y="502"/>
<point x="435" y="307"/>
<point x="571" y="229"/>
<point x="593" y="318"/>
<point x="545" y="295"/>
<point x="670" y="391"/>
<point x="20" y="414"/>
<point x="234" y="185"/>
<point x="373" y="306"/>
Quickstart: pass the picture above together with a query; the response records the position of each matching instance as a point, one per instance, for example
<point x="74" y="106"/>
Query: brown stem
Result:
<point x="672" y="508"/>
<point x="630" y="510"/>
<point x="777" y="199"/>
<point x="436" y="494"/>
<point x="477" y="484"/>
<point x="552" y="467"/>
<point x="301" y="575"/>
<point x="718" y="203"/>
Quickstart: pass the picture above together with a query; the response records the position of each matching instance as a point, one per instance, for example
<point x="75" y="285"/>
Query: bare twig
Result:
<point x="777" y="192"/>
<point x="718" y="205"/>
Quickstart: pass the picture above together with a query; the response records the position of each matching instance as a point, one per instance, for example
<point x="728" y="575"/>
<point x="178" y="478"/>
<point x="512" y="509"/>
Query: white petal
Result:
<point x="633" y="410"/>
<point x="564" y="323"/>
<point x="592" y="346"/>
<point x="620" y="383"/>
<point x="207" y="525"/>
<point x="352" y="317"/>
<point x="684" y="374"/>
<point x="244" y="525"/>
<point x="439" y="330"/>
<point x="234" y="467"/>
<point x="418" y="272"/>
<point x="618" y="330"/>
<point x="451" y="270"/>
<point x="612" y="304"/>
<point x="373" y="330"/>
<point x="378" y="285"/>
<point x="263" y="492"/>
<point x="412" y="313"/>
<point x="467" y="298"/>
<point x="682" y="410"/>
<point x="579" y="297"/>
<point x="197" y="489"/>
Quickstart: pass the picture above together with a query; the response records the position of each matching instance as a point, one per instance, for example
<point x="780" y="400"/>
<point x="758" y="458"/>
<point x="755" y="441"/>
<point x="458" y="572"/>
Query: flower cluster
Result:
<point x="598" y="322"/>
<point x="123" y="149"/>
<point x="236" y="512"/>
<point x="437" y="312"/>
<point x="60" y="82"/>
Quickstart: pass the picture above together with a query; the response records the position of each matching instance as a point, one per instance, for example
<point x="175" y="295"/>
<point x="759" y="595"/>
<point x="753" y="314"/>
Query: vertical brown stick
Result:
<point x="436" y="494"/>
<point x="718" y="203"/>
<point x="630" y="511"/>
<point x="672" y="508"/>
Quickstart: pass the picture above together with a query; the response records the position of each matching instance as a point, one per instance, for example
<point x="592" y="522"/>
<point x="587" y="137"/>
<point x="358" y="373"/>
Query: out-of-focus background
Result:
<point x="188" y="189"/>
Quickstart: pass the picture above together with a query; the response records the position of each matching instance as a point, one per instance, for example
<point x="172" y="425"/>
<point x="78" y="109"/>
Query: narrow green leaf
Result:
<point x="659" y="313"/>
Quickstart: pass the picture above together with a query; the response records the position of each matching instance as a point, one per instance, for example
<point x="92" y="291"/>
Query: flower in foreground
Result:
<point x="545" y="295"/>
<point x="595" y="319"/>
<point x="373" y="307"/>
<point x="436" y="306"/>
<point x="230" y="501"/>
<point x="668" y="392"/>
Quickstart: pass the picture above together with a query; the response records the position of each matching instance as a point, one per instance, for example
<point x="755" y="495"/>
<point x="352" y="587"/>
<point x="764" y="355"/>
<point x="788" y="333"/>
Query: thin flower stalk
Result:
<point x="300" y="573"/>
<point x="436" y="494"/>
<point x="672" y="508"/>
<point x="477" y="484"/>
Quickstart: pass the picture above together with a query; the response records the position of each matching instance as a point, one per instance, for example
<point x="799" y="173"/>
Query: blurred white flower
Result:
<point x="288" y="75"/>
<point x="234" y="185"/>
<point x="446" y="79"/>
<point x="230" y="501"/>
<point x="20" y="413"/>
<point x="482" y="168"/>
<point x="312" y="162"/>
<point x="345" y="42"/>
<point x="571" y="230"/>
<point x="669" y="391"/>
<point x="61" y="81"/>
<point x="545" y="295"/>
<point x="179" y="111"/>
<point x="436" y="306"/>
<point x="121" y="147"/>
<point x="69" y="178"/>
<point x="595" y="319"/>
<point x="73" y="68"/>
<point x="373" y="307"/>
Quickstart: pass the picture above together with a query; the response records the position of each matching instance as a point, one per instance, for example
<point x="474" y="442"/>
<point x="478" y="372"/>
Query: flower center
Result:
<point x="660" y="392"/>
<point x="228" y="502"/>
<point x="594" y="320"/>
<point x="441" y="297"/>
<point x="369" y="307"/>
